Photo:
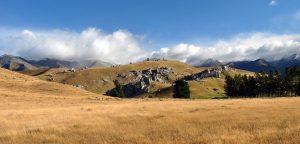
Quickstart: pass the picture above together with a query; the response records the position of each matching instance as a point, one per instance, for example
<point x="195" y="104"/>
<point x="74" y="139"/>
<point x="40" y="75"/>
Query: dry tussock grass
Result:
<point x="154" y="121"/>
<point x="33" y="111"/>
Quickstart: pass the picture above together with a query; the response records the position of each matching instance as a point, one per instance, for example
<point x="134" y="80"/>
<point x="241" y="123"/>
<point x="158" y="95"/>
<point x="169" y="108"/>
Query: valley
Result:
<point x="61" y="105"/>
<point x="149" y="72"/>
<point x="100" y="80"/>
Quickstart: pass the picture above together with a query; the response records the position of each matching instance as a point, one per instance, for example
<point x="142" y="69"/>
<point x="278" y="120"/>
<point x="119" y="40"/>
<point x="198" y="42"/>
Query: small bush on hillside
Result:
<point x="181" y="89"/>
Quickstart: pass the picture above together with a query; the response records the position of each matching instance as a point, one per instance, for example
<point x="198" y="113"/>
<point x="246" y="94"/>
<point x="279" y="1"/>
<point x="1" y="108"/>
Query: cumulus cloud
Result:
<point x="273" y="3"/>
<point x="118" y="47"/>
<point x="122" y="47"/>
<point x="240" y="47"/>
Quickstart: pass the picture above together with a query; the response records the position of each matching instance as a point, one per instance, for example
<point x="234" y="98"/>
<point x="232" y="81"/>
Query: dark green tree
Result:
<point x="270" y="88"/>
<point x="118" y="91"/>
<point x="229" y="86"/>
<point x="298" y="88"/>
<point x="181" y="89"/>
<point x="262" y="84"/>
<point x="252" y="86"/>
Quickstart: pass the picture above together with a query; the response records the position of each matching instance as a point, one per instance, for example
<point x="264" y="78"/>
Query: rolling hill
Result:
<point x="15" y="86"/>
<point x="36" y="111"/>
<point x="100" y="80"/>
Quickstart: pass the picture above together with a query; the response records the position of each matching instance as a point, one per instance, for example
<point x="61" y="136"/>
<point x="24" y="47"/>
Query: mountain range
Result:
<point x="257" y="65"/>
<point x="16" y="63"/>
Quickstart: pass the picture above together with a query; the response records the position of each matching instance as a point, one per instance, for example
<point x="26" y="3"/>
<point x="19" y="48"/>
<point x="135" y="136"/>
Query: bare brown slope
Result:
<point x="15" y="86"/>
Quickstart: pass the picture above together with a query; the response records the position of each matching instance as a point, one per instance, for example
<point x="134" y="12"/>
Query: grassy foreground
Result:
<point x="150" y="121"/>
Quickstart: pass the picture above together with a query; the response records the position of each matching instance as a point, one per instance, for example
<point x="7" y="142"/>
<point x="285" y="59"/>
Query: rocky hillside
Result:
<point x="148" y="78"/>
<point x="100" y="80"/>
<point x="142" y="79"/>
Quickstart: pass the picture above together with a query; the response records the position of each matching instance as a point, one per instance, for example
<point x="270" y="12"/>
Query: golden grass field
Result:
<point x="33" y="111"/>
<point x="154" y="121"/>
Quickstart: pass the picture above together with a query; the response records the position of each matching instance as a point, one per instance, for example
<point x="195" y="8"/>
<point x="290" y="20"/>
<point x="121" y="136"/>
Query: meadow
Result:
<point x="70" y="120"/>
<point x="34" y="111"/>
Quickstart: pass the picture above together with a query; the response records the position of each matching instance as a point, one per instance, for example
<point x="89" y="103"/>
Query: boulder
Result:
<point x="143" y="80"/>
<point x="122" y="75"/>
<point x="214" y="72"/>
<point x="72" y="70"/>
<point x="77" y="86"/>
<point x="105" y="80"/>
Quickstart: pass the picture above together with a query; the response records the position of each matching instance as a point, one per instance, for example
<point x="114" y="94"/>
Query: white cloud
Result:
<point x="240" y="47"/>
<point x="273" y="3"/>
<point x="118" y="47"/>
<point x="123" y="47"/>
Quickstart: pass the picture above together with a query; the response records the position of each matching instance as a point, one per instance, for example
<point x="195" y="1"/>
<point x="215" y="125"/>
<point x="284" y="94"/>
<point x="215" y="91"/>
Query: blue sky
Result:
<point x="160" y="23"/>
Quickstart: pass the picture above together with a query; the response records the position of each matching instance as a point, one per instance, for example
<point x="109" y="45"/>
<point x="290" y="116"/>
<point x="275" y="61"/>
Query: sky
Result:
<point x="121" y="31"/>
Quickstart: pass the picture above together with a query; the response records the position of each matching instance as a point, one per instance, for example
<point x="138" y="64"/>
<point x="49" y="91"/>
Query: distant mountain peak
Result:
<point x="20" y="64"/>
<point x="297" y="56"/>
<point x="291" y="57"/>
<point x="211" y="63"/>
<point x="261" y="62"/>
<point x="15" y="63"/>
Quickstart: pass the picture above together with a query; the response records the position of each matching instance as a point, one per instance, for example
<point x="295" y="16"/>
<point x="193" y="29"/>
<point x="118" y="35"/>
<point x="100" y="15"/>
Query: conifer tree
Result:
<point x="229" y="85"/>
<point x="297" y="91"/>
<point x="181" y="89"/>
<point x="118" y="91"/>
<point x="262" y="84"/>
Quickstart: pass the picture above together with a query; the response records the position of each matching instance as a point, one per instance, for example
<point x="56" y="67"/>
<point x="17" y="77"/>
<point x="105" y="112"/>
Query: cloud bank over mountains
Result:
<point x="240" y="47"/>
<point x="123" y="47"/>
<point x="118" y="47"/>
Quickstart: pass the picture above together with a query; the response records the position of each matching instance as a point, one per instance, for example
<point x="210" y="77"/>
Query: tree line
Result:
<point x="262" y="84"/>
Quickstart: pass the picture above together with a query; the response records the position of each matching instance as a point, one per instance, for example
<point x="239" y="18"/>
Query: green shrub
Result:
<point x="118" y="91"/>
<point x="181" y="89"/>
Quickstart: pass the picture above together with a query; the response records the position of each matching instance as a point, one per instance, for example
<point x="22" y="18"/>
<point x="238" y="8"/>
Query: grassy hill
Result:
<point x="207" y="88"/>
<point x="15" y="86"/>
<point x="100" y="80"/>
<point x="35" y="111"/>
